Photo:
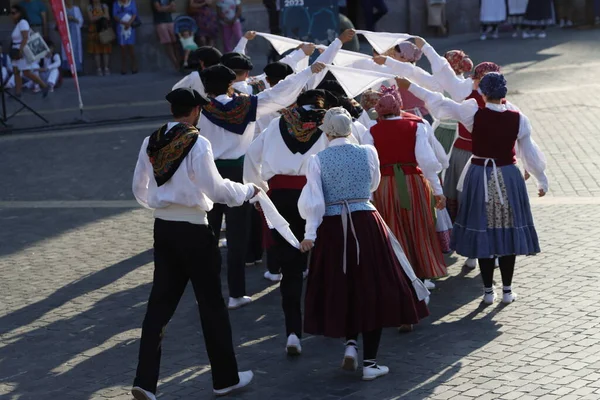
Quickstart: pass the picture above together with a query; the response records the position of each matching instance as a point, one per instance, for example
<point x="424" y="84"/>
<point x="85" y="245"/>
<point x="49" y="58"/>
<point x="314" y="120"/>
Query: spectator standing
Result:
<point x="597" y="12"/>
<point x="99" y="20"/>
<point x="163" y="21"/>
<point x="373" y="11"/>
<point x="229" y="12"/>
<point x="538" y="16"/>
<point x="37" y="15"/>
<point x="516" y="13"/>
<point x="125" y="13"/>
<point x="436" y="16"/>
<point x="273" y="9"/>
<point x="492" y="14"/>
<point x="204" y="13"/>
<point x="75" y="20"/>
<point x="565" y="10"/>
<point x="19" y="37"/>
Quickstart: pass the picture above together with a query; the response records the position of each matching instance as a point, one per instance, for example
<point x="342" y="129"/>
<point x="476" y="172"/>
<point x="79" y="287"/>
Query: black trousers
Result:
<point x="186" y="252"/>
<point x="238" y="222"/>
<point x="291" y="261"/>
<point x="255" y="243"/>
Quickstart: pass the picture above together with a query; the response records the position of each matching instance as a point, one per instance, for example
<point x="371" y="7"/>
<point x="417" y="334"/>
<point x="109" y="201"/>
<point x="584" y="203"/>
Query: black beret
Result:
<point x="237" y="61"/>
<point x="278" y="70"/>
<point x="311" y="97"/>
<point x="207" y="54"/>
<point x="333" y="86"/>
<point x="186" y="97"/>
<point x="218" y="73"/>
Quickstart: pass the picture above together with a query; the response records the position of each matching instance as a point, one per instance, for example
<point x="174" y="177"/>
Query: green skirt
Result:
<point x="446" y="137"/>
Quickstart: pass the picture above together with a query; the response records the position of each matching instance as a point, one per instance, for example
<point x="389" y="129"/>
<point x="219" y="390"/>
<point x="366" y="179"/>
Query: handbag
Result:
<point x="14" y="54"/>
<point x="136" y="23"/>
<point x="107" y="36"/>
<point x="36" y="48"/>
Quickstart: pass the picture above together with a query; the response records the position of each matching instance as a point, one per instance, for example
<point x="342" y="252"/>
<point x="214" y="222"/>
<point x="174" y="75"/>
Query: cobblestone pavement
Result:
<point x="75" y="273"/>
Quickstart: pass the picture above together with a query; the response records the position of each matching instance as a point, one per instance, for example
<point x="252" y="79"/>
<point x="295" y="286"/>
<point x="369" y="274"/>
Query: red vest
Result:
<point x="410" y="102"/>
<point x="395" y="143"/>
<point x="464" y="139"/>
<point x="494" y="136"/>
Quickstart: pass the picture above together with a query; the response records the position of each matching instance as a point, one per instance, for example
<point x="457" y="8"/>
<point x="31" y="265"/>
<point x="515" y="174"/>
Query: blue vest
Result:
<point x="345" y="175"/>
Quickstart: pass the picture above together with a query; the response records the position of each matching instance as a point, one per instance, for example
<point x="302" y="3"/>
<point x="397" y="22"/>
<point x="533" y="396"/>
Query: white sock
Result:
<point x="507" y="289"/>
<point x="488" y="290"/>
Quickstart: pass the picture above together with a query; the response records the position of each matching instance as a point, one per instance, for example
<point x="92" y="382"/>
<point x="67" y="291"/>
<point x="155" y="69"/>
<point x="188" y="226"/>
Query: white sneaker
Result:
<point x="245" y="379"/>
<point x="495" y="35"/>
<point x="527" y="35"/>
<point x="140" y="394"/>
<point x="471" y="263"/>
<point x="428" y="284"/>
<point x="508" y="298"/>
<point x="293" y="347"/>
<point x="569" y="24"/>
<point x="489" y="298"/>
<point x="483" y="36"/>
<point x="235" y="303"/>
<point x="542" y="35"/>
<point x="562" y="23"/>
<point x="597" y="21"/>
<point x="350" y="361"/>
<point x="272" y="277"/>
<point x="374" y="372"/>
<point x="515" y="34"/>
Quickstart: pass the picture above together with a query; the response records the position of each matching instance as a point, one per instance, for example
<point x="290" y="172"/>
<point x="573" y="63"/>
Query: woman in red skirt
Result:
<point x="410" y="187"/>
<point x="356" y="282"/>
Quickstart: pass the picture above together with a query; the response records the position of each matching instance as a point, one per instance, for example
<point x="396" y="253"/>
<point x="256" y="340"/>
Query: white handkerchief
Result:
<point x="274" y="219"/>
<point x="383" y="41"/>
<point x="355" y="81"/>
<point x="345" y="57"/>
<point x="281" y="44"/>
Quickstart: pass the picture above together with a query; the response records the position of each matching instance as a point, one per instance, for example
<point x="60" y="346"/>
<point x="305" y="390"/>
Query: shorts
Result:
<point x="166" y="33"/>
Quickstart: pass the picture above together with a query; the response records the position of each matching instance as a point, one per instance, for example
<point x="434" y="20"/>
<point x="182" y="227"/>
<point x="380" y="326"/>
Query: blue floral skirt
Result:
<point x="493" y="229"/>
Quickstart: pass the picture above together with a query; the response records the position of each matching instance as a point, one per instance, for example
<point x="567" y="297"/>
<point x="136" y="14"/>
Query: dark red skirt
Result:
<point x="374" y="294"/>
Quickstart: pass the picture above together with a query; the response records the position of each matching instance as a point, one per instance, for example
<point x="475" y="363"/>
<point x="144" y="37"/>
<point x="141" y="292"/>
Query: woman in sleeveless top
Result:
<point x="356" y="283"/>
<point x="409" y="168"/>
<point x="494" y="217"/>
<point x="99" y="19"/>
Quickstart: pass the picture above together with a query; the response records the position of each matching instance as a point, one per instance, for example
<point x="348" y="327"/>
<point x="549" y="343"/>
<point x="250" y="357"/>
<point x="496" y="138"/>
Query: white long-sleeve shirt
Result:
<point x="312" y="200"/>
<point x="427" y="157"/>
<point x="230" y="146"/>
<point x="269" y="156"/>
<point x="191" y="191"/>
<point x="528" y="151"/>
<point x="456" y="86"/>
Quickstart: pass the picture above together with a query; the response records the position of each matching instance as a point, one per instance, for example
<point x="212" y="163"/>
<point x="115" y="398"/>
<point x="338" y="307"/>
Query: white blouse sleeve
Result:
<point x="141" y="179"/>
<point x="283" y="94"/>
<point x="530" y="154"/>
<point x="437" y="147"/>
<point x="312" y="200"/>
<point x="427" y="160"/>
<point x="374" y="167"/>
<point x="415" y="74"/>
<point x="326" y="57"/>
<point x="458" y="88"/>
<point x="210" y="182"/>
<point x="443" y="108"/>
<point x="294" y="58"/>
<point x="253" y="163"/>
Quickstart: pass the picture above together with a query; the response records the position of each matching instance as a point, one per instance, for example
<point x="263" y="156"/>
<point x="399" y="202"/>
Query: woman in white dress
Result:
<point x="516" y="14"/>
<point x="19" y="38"/>
<point x="492" y="14"/>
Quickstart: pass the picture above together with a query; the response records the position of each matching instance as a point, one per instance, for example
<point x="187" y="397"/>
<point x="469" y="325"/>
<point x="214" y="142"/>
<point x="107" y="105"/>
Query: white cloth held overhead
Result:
<point x="281" y="44"/>
<point x="355" y="81"/>
<point x="274" y="219"/>
<point x="383" y="41"/>
<point x="345" y="58"/>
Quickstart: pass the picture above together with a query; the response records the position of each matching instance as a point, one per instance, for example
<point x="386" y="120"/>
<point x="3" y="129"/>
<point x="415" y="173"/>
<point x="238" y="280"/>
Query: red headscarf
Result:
<point x="459" y="61"/>
<point x="390" y="102"/>
<point x="485" y="68"/>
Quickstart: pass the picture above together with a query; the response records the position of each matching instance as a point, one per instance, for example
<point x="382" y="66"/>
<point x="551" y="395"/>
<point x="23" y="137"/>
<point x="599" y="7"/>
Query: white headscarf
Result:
<point x="337" y="122"/>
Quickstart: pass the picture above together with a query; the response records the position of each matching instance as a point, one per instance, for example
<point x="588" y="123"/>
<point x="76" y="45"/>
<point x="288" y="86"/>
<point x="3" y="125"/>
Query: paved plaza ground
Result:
<point x="76" y="268"/>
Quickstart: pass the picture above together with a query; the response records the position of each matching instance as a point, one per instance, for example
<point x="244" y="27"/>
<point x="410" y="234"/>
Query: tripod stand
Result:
<point x="4" y="118"/>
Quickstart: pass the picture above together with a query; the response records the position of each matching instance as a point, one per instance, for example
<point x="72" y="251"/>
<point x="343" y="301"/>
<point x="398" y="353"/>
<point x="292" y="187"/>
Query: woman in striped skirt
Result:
<point x="409" y="169"/>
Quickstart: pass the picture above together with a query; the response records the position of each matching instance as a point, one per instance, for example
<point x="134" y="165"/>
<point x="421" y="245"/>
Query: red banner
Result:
<point x="59" y="11"/>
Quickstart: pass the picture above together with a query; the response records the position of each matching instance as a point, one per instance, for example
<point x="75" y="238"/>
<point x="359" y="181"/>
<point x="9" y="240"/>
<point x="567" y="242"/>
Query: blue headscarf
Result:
<point x="493" y="85"/>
